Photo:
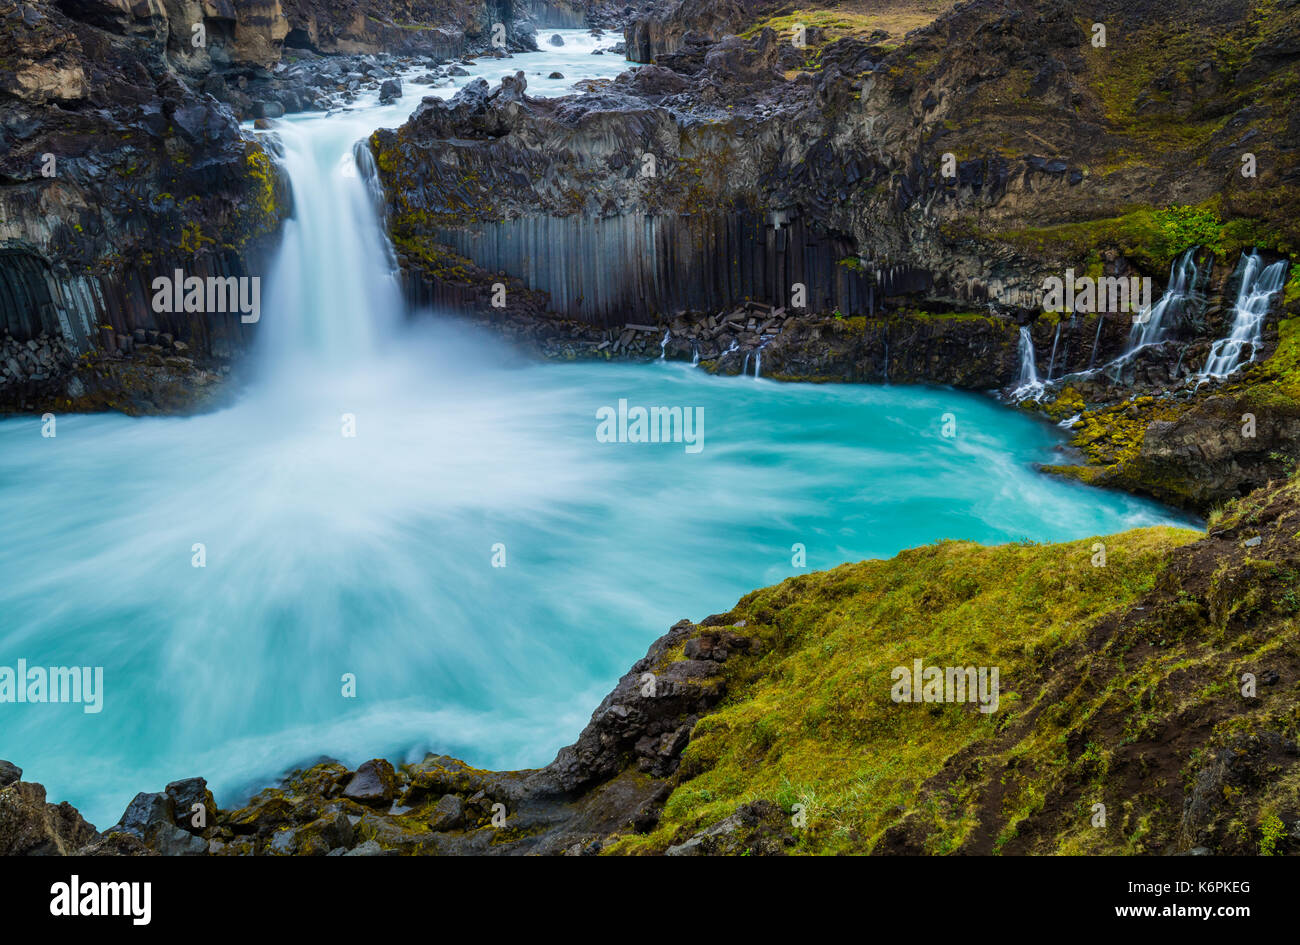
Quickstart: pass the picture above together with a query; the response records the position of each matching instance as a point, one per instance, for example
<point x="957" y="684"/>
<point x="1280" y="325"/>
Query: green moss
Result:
<point x="812" y="720"/>
<point x="1152" y="238"/>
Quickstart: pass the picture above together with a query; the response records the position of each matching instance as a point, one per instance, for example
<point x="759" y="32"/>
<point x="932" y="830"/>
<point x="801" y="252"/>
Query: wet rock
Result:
<point x="374" y="784"/>
<point x="191" y="802"/>
<point x="390" y="91"/>
<point x="760" y="829"/>
<point x="369" y="848"/>
<point x="447" y="814"/>
<point x="31" y="827"/>
<point x="151" y="819"/>
<point x="9" y="773"/>
<point x="556" y="39"/>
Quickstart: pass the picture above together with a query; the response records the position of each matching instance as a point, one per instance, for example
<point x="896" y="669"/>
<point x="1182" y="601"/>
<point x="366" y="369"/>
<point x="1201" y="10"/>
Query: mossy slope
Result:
<point x="1119" y="686"/>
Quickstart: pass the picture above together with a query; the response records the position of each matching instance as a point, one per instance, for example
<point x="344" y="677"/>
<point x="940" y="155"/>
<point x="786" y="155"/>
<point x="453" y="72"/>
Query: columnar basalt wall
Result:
<point x="611" y="270"/>
<point x="555" y="14"/>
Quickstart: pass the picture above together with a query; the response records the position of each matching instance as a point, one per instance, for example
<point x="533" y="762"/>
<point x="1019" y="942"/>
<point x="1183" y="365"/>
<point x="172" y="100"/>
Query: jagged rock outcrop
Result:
<point x="114" y="170"/>
<point x="29" y="826"/>
<point x="666" y="31"/>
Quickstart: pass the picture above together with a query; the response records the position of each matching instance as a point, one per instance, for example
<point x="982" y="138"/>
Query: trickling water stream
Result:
<point x="1027" y="384"/>
<point x="1150" y="325"/>
<point x="372" y="555"/>
<point x="1260" y="284"/>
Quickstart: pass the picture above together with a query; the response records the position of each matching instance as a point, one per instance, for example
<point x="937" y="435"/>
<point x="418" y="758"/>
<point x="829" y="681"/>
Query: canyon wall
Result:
<point x="123" y="160"/>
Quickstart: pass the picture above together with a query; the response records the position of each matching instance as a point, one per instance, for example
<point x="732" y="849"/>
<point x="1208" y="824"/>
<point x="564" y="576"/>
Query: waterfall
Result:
<point x="1051" y="362"/>
<point x="1149" y="326"/>
<point x="1096" y="342"/>
<point x="695" y="355"/>
<point x="663" y="346"/>
<point x="332" y="292"/>
<point x="758" y="359"/>
<point x="1027" y="385"/>
<point x="744" y="369"/>
<point x="1259" y="284"/>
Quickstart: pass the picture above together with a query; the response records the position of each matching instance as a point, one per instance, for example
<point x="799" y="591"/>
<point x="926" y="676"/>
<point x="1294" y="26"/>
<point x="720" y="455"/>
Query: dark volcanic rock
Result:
<point x="9" y="773"/>
<point x="151" y="819"/>
<point x="373" y="784"/>
<point x="31" y="827"/>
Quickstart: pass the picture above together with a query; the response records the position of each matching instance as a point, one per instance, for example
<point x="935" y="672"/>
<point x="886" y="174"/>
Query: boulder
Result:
<point x="151" y="819"/>
<point x="9" y="773"/>
<point x="374" y="784"/>
<point x="31" y="827"/>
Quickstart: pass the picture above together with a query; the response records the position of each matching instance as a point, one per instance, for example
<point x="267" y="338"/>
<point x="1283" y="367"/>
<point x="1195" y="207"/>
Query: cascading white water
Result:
<point x="332" y="291"/>
<point x="1150" y="324"/>
<point x="1051" y="361"/>
<point x="758" y="359"/>
<point x="1259" y="285"/>
<point x="1096" y="341"/>
<point x="1027" y="385"/>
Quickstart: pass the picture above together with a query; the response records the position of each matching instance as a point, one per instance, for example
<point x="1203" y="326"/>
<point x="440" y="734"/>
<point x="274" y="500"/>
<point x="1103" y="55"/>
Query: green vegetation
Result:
<point x="812" y="722"/>
<point x="1153" y="238"/>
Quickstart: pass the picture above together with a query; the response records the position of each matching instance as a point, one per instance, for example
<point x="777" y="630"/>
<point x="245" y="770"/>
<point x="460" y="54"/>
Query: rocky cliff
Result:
<point x="900" y="168"/>
<point x="123" y="159"/>
<point x="114" y="170"/>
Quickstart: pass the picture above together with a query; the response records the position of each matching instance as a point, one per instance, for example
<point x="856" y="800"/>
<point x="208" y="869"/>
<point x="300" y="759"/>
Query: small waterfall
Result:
<point x="663" y="346"/>
<point x="1028" y="384"/>
<point x="758" y="359"/>
<point x="744" y="368"/>
<point x="1051" y="362"/>
<point x="695" y="355"/>
<point x="1259" y="284"/>
<point x="1096" y="342"/>
<point x="1150" y="324"/>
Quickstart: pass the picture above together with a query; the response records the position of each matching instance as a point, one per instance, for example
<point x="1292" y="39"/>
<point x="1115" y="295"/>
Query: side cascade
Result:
<point x="1260" y="284"/>
<point x="1028" y="384"/>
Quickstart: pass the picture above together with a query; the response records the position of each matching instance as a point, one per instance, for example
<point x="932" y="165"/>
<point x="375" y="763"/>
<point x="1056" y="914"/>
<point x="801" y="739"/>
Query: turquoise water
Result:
<point x="372" y="555"/>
